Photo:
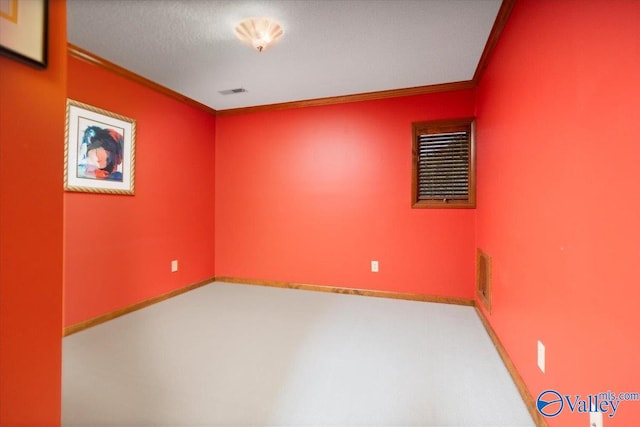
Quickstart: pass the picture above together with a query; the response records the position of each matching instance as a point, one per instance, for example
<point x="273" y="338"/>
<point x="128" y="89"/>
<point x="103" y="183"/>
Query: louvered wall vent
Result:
<point x="483" y="279"/>
<point x="232" y="91"/>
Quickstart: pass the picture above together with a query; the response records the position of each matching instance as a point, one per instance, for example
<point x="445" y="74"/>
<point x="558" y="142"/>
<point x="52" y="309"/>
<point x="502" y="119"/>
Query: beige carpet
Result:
<point x="236" y="355"/>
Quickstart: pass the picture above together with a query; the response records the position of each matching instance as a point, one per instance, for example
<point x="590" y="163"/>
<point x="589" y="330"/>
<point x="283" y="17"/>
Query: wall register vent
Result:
<point x="483" y="279"/>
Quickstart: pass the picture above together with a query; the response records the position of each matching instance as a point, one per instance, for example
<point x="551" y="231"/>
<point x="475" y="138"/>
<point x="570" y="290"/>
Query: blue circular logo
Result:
<point x="550" y="403"/>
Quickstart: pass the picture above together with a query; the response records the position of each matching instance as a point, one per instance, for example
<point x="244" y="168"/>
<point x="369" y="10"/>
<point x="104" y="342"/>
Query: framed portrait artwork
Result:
<point x="23" y="31"/>
<point x="99" y="150"/>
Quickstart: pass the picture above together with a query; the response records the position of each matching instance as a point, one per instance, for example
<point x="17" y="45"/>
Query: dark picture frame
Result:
<point x="23" y="31"/>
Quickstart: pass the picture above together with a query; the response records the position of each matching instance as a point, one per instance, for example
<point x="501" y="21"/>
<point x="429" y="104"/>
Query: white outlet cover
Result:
<point x="541" y="356"/>
<point x="595" y="419"/>
<point x="374" y="266"/>
<point x="174" y="265"/>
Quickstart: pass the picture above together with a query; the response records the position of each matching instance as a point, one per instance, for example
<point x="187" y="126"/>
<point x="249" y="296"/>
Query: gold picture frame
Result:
<point x="99" y="150"/>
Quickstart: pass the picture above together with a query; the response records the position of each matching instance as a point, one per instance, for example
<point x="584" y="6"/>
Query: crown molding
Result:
<point x="86" y="56"/>
<point x="501" y="20"/>
<point x="498" y="26"/>
<point x="368" y="96"/>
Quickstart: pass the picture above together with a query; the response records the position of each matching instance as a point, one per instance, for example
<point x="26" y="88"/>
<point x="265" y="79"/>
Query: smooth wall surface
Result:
<point x="118" y="249"/>
<point x="32" y="108"/>
<point x="313" y="195"/>
<point x="558" y="206"/>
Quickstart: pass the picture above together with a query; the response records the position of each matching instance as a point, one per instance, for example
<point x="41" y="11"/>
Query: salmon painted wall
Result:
<point x="32" y="110"/>
<point x="118" y="249"/>
<point x="312" y="195"/>
<point x="558" y="200"/>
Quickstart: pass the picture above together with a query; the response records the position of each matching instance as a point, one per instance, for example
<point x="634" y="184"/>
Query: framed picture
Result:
<point x="99" y="150"/>
<point x="23" y="31"/>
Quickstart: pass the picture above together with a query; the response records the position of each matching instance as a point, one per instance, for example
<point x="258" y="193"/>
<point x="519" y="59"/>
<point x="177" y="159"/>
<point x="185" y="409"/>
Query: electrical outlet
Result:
<point x="174" y="265"/>
<point x="595" y="419"/>
<point x="541" y="356"/>
<point x="374" y="266"/>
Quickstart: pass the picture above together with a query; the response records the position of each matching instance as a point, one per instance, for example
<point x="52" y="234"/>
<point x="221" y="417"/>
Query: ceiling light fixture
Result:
<point x="259" y="32"/>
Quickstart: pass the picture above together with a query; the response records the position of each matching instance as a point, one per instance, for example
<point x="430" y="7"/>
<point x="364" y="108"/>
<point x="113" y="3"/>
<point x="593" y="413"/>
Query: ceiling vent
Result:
<point x="232" y="91"/>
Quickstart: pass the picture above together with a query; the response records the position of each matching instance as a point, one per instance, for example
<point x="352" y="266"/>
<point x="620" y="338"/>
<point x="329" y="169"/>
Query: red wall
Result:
<point x="558" y="206"/>
<point x="312" y="195"/>
<point x="118" y="249"/>
<point x="32" y="109"/>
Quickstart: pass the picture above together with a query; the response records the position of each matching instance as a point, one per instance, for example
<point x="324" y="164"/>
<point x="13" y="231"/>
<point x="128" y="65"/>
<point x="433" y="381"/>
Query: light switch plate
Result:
<point x="595" y="419"/>
<point x="374" y="266"/>
<point x="541" y="356"/>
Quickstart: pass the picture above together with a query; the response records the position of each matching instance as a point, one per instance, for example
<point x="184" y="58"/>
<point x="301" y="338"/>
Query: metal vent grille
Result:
<point x="232" y="91"/>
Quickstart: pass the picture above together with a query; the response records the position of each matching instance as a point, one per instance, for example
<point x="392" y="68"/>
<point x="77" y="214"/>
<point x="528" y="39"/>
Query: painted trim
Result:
<point x="94" y="59"/>
<point x="350" y="291"/>
<point x="81" y="326"/>
<point x="368" y="96"/>
<point x="498" y="25"/>
<point x="527" y="398"/>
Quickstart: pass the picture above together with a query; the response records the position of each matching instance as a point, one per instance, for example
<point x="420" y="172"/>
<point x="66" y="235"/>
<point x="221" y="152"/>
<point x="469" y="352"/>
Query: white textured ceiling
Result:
<point x="329" y="47"/>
